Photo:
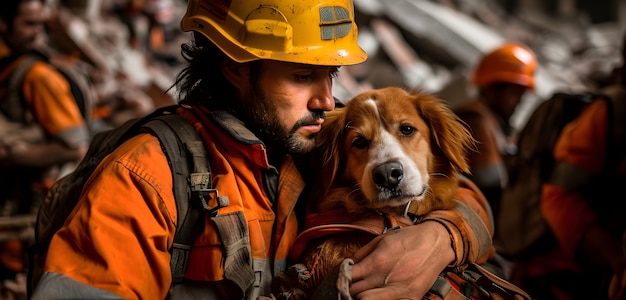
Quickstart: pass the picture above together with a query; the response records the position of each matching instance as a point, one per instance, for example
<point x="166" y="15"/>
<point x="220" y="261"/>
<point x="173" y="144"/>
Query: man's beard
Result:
<point x="262" y="119"/>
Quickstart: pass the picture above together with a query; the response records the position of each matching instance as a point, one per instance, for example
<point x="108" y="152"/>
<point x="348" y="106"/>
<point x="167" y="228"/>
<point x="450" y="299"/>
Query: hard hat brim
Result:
<point x="338" y="54"/>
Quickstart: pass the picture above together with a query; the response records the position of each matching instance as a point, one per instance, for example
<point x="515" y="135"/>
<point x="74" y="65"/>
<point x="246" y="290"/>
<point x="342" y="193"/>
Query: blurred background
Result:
<point x="434" y="45"/>
<point x="428" y="44"/>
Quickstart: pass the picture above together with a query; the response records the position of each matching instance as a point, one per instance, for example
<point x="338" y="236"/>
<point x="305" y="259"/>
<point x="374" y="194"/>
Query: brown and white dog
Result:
<point x="385" y="151"/>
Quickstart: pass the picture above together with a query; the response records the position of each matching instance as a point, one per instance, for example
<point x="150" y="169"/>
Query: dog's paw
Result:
<point x="344" y="279"/>
<point x="287" y="285"/>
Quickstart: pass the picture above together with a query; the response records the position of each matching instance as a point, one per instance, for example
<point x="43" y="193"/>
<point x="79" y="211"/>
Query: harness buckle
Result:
<point x="199" y="186"/>
<point x="206" y="195"/>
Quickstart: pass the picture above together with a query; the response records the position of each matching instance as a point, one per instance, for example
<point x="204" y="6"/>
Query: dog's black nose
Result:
<point x="388" y="174"/>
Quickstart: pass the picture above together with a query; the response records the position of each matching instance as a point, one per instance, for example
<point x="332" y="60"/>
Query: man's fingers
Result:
<point x="365" y="284"/>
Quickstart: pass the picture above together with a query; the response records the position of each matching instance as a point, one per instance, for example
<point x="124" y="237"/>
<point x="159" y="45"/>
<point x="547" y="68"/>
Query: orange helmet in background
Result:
<point x="511" y="63"/>
<point x="320" y="32"/>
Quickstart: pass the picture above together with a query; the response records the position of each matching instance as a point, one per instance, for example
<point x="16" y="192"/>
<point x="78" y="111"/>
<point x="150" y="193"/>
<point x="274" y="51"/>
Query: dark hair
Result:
<point x="202" y="80"/>
<point x="9" y="8"/>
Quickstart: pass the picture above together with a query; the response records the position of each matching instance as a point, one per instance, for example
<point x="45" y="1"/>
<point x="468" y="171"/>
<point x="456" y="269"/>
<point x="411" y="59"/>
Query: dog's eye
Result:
<point x="407" y="130"/>
<point x="360" y="142"/>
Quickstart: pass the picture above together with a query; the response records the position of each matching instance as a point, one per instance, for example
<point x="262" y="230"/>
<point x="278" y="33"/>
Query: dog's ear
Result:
<point x="448" y="131"/>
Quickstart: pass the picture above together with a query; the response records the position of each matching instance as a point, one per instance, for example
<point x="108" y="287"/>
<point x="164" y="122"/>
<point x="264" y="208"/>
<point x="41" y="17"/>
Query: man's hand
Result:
<point x="403" y="263"/>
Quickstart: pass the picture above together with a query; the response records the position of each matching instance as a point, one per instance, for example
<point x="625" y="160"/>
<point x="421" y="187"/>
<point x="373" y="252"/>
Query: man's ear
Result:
<point x="236" y="73"/>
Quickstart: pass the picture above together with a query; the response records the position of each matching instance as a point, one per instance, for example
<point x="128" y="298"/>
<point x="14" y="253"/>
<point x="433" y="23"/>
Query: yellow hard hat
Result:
<point x="310" y="32"/>
<point x="511" y="62"/>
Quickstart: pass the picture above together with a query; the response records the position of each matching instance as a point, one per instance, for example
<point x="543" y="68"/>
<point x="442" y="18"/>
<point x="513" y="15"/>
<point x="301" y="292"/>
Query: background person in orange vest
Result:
<point x="584" y="207"/>
<point x="258" y="100"/>
<point x="503" y="76"/>
<point x="45" y="122"/>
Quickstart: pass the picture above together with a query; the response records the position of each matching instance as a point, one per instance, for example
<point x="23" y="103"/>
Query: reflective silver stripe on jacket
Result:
<point x="570" y="176"/>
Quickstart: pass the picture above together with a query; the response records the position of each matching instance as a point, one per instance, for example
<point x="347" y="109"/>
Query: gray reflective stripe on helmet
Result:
<point x="479" y="228"/>
<point x="570" y="176"/>
<point x="336" y="22"/>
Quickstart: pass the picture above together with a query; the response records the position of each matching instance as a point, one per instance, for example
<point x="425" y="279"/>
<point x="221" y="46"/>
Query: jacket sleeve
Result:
<point x="117" y="238"/>
<point x="49" y="96"/>
<point x="470" y="224"/>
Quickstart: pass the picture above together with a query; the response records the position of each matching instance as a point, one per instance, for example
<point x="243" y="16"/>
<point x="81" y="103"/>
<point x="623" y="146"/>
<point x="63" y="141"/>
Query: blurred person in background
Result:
<point x="163" y="36"/>
<point x="502" y="78"/>
<point x="43" y="128"/>
<point x="584" y="206"/>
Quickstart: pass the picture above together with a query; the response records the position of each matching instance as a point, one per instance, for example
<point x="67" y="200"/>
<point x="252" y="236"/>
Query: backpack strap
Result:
<point x="233" y="232"/>
<point x="12" y="105"/>
<point x="177" y="141"/>
<point x="187" y="155"/>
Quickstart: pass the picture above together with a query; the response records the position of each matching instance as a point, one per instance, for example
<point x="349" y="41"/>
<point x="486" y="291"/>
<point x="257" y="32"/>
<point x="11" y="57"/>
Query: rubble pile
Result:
<point x="434" y="45"/>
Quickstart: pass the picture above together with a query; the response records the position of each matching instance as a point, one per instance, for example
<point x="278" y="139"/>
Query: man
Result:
<point x="584" y="207"/>
<point x="258" y="83"/>
<point x="42" y="129"/>
<point x="502" y="77"/>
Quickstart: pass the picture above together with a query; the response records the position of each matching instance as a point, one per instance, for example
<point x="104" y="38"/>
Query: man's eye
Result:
<point x="303" y="77"/>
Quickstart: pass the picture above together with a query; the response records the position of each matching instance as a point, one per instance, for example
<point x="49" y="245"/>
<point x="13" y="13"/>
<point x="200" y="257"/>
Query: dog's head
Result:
<point x="387" y="147"/>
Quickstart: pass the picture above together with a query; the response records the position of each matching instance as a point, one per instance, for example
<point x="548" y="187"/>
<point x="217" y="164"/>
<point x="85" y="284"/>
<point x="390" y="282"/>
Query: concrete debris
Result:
<point x="434" y="45"/>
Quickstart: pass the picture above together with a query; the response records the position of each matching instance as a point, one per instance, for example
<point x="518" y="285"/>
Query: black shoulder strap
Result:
<point x="13" y="106"/>
<point x="192" y="182"/>
<point x="180" y="142"/>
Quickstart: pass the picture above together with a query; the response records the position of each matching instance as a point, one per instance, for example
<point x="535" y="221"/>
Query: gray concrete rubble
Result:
<point x="434" y="45"/>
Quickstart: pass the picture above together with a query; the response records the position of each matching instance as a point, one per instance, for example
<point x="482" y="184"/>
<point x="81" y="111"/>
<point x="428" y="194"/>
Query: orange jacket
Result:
<point x="582" y="144"/>
<point x="49" y="100"/>
<point x="47" y="93"/>
<point x="580" y="197"/>
<point x="117" y="238"/>
<point x="582" y="155"/>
